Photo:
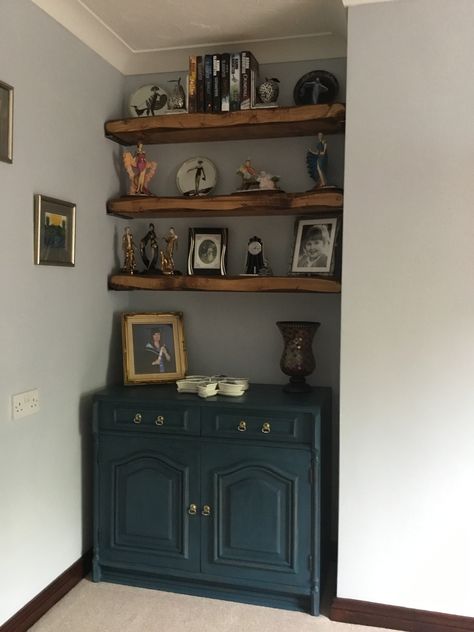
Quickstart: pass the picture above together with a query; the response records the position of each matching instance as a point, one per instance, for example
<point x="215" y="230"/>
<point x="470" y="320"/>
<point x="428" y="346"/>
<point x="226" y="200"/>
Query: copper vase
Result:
<point x="297" y="359"/>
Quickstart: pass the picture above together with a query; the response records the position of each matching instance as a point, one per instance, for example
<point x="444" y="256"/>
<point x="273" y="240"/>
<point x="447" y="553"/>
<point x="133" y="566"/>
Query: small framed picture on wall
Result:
<point x="55" y="231"/>
<point x="6" y="122"/>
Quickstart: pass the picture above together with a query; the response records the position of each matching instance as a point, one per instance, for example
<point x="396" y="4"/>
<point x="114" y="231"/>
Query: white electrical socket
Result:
<point x="25" y="404"/>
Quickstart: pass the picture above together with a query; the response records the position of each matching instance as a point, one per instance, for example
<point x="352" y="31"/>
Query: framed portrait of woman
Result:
<point x="153" y="347"/>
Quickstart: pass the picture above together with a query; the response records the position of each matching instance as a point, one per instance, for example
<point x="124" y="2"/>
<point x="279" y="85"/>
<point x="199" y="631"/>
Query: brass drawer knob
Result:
<point x="242" y="427"/>
<point x="206" y="510"/>
<point x="192" y="509"/>
<point x="266" y="428"/>
<point x="137" y="419"/>
<point x="160" y="420"/>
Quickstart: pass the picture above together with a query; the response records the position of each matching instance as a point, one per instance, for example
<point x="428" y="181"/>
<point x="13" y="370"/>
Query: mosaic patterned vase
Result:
<point x="297" y="359"/>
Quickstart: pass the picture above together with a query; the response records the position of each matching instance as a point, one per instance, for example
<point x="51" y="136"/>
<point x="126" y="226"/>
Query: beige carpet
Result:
<point x="105" y="607"/>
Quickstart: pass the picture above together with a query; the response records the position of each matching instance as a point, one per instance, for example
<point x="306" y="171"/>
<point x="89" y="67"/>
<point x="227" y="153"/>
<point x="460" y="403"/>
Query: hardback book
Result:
<point x="234" y="82"/>
<point x="225" y="82"/>
<point x="200" y="83"/>
<point x="192" y="84"/>
<point x="216" y="83"/>
<point x="208" y="83"/>
<point x="249" y="79"/>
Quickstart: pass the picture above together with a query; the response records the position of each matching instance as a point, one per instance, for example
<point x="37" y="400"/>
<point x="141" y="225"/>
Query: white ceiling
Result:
<point x="159" y="35"/>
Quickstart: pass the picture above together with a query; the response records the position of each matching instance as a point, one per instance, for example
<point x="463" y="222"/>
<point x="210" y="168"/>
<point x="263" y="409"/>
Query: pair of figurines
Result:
<point x="254" y="180"/>
<point x="150" y="252"/>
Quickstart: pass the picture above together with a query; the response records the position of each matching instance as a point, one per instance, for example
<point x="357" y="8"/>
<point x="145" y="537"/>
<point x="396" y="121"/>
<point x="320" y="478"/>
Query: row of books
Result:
<point x="223" y="82"/>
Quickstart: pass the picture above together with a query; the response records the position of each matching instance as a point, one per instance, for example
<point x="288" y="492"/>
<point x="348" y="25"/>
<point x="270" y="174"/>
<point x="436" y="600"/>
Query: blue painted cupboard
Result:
<point x="223" y="497"/>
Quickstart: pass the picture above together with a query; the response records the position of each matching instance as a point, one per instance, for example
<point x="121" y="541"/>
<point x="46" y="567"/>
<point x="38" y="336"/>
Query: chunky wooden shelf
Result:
<point x="223" y="284"/>
<point x="238" y="205"/>
<point x="303" y="120"/>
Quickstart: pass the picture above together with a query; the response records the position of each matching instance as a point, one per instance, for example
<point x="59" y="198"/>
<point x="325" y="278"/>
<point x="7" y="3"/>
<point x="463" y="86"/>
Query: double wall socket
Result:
<point x="25" y="404"/>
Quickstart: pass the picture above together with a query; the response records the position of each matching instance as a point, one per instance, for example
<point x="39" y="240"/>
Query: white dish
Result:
<point x="196" y="177"/>
<point x="148" y="101"/>
<point x="231" y="394"/>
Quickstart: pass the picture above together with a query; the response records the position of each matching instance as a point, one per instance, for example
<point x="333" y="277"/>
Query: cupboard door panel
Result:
<point x="260" y="521"/>
<point x="145" y="488"/>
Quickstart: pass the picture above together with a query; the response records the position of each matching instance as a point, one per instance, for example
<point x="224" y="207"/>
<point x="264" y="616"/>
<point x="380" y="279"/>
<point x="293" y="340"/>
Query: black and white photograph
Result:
<point x="153" y="347"/>
<point x="315" y="245"/>
<point x="207" y="251"/>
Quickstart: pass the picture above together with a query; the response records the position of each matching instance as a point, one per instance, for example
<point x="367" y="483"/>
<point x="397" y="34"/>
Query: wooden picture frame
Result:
<point x="207" y="253"/>
<point x="55" y="231"/>
<point x="6" y="122"/>
<point x="153" y="347"/>
<point x="316" y="248"/>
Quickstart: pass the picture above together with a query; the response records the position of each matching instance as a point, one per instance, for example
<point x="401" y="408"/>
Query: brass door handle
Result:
<point x="266" y="428"/>
<point x="192" y="509"/>
<point x="242" y="427"/>
<point x="137" y="419"/>
<point x="206" y="510"/>
<point x="160" y="420"/>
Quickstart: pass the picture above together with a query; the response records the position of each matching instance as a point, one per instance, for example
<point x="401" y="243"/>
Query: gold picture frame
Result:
<point x="153" y="347"/>
<point x="55" y="231"/>
<point x="6" y="122"/>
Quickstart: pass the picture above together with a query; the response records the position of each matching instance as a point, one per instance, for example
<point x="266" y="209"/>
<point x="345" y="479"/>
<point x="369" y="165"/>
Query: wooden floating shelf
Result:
<point x="224" y="284"/>
<point x="303" y="120"/>
<point x="238" y="205"/>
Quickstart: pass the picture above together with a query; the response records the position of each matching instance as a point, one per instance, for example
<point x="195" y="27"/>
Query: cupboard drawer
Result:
<point x="256" y="424"/>
<point x="162" y="418"/>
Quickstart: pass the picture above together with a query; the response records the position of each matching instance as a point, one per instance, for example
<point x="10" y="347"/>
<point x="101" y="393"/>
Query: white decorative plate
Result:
<point x="148" y="101"/>
<point x="196" y="176"/>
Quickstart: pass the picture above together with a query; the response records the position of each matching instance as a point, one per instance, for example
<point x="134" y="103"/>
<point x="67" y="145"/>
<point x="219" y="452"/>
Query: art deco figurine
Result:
<point x="177" y="100"/>
<point x="166" y="256"/>
<point x="150" y="240"/>
<point x="140" y="171"/>
<point x="317" y="162"/>
<point x="253" y="180"/>
<point x="128" y="249"/>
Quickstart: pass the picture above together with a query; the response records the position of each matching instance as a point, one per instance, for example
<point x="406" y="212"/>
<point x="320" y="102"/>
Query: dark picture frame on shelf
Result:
<point x="6" y="122"/>
<point x="316" y="247"/>
<point x="55" y="231"/>
<point x="153" y="347"/>
<point x="207" y="254"/>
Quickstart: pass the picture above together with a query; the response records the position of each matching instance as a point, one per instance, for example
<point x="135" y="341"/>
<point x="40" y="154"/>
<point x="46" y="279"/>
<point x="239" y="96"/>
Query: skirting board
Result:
<point x="39" y="605"/>
<point x="397" y="618"/>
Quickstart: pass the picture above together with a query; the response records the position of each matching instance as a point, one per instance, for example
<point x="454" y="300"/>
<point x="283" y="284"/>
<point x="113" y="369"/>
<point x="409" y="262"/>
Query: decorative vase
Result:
<point x="297" y="359"/>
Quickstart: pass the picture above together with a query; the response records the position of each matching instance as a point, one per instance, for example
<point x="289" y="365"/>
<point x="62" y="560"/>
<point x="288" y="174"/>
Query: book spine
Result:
<point x="225" y="82"/>
<point x="207" y="83"/>
<point x="244" y="80"/>
<point x="216" y="83"/>
<point x="192" y="84"/>
<point x="234" y="87"/>
<point x="199" y="84"/>
<point x="249" y="80"/>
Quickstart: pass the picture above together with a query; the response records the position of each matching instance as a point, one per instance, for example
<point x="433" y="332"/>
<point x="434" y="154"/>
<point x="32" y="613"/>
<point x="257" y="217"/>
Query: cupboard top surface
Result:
<point x="259" y="396"/>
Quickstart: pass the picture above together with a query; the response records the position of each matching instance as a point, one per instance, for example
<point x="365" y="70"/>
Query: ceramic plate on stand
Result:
<point x="196" y="177"/>
<point x="148" y="101"/>
<point x="318" y="86"/>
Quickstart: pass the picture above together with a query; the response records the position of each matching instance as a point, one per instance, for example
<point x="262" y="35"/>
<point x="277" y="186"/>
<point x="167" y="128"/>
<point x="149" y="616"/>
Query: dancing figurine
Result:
<point x="128" y="249"/>
<point x="140" y="171"/>
<point x="317" y="162"/>
<point x="166" y="256"/>
<point x="151" y="239"/>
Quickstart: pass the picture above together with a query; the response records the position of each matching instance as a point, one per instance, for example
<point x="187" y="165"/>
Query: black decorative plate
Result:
<point x="317" y="86"/>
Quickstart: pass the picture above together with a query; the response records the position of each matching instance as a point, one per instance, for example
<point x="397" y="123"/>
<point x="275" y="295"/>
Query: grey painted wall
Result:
<point x="407" y="361"/>
<point x="56" y="323"/>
